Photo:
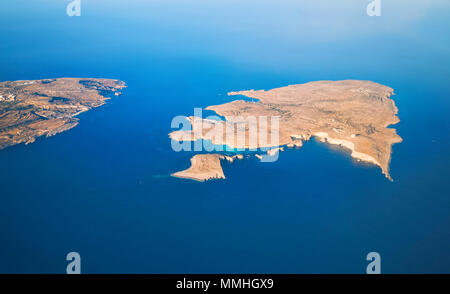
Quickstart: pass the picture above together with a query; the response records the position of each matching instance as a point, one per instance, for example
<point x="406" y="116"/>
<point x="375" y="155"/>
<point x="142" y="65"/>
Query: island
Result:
<point x="354" y="114"/>
<point x="34" y="108"/>
<point x="206" y="167"/>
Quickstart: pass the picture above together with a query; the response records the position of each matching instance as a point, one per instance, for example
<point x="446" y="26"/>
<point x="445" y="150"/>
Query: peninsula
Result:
<point x="30" y="109"/>
<point x="351" y="113"/>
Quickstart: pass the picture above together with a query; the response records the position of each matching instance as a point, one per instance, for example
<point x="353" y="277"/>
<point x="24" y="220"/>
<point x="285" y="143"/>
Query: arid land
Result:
<point x="30" y="109"/>
<point x="351" y="113"/>
<point x="206" y="167"/>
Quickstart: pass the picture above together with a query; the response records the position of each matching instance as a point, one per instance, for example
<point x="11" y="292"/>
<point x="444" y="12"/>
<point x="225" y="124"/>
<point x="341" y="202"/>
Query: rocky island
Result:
<point x="30" y="109"/>
<point x="206" y="167"/>
<point x="351" y="113"/>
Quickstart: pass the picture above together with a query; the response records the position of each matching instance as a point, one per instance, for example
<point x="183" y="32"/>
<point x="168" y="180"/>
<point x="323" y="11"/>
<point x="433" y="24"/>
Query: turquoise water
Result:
<point x="103" y="188"/>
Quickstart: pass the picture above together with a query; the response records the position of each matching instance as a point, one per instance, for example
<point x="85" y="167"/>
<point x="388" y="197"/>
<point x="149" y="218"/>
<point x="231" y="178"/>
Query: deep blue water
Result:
<point x="102" y="189"/>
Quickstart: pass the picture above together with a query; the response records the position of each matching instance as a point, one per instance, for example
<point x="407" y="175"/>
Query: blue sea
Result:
<point x="103" y="189"/>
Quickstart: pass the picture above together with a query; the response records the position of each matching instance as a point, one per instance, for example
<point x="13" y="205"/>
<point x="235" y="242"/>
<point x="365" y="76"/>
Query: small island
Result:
<point x="30" y="109"/>
<point x="206" y="167"/>
<point x="351" y="113"/>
